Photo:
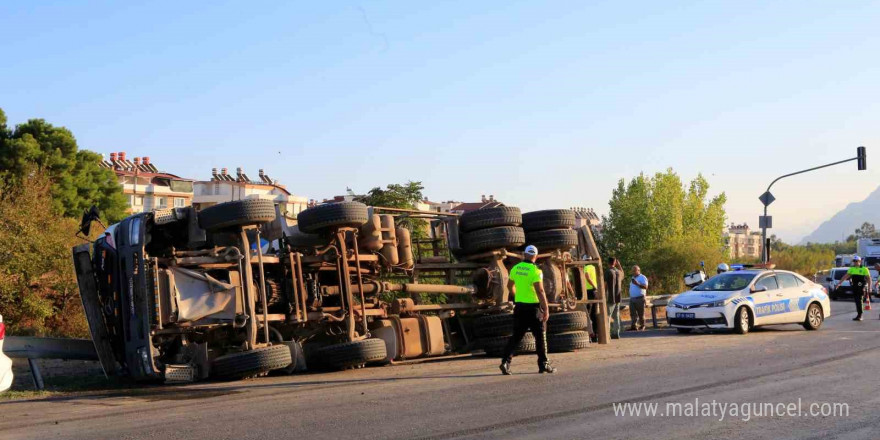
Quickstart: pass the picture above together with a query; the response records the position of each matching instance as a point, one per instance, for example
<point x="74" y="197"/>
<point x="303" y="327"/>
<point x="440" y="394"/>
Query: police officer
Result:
<point x="860" y="279"/>
<point x="530" y="312"/>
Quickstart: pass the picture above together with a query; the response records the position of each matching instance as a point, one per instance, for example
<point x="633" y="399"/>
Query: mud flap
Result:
<point x="88" y="292"/>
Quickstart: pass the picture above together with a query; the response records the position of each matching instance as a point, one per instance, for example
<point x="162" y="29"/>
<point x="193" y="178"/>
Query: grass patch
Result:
<point x="25" y="394"/>
<point x="61" y="385"/>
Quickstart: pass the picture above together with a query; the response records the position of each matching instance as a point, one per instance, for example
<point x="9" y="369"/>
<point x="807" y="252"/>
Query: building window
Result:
<point x="161" y="202"/>
<point x="179" y="202"/>
<point x="136" y="200"/>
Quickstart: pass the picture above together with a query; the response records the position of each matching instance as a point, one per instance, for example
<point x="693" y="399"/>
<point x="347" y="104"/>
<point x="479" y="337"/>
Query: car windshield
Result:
<point x="838" y="274"/>
<point x="727" y="282"/>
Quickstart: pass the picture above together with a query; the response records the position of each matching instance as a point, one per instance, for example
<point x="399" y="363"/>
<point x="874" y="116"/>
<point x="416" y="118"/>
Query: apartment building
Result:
<point x="742" y="243"/>
<point x="224" y="187"/>
<point x="147" y="188"/>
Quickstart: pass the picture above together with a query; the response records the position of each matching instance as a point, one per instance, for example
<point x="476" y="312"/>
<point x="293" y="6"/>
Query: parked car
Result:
<point x="745" y="299"/>
<point x="825" y="278"/>
<point x="845" y="290"/>
<point x="5" y="362"/>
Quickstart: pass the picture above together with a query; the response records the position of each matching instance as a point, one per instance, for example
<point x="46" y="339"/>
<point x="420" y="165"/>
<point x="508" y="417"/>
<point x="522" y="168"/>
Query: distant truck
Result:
<point x="843" y="260"/>
<point x="869" y="250"/>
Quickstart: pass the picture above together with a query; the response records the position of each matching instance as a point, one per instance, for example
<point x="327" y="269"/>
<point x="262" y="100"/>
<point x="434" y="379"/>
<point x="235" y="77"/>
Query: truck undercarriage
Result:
<point x="238" y="289"/>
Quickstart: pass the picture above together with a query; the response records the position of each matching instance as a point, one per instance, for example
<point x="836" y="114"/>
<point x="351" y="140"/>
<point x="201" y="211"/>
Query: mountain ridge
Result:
<point x="847" y="220"/>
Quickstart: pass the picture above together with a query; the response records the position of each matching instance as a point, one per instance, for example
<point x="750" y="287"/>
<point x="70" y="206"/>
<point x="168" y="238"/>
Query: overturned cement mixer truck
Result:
<point x="239" y="289"/>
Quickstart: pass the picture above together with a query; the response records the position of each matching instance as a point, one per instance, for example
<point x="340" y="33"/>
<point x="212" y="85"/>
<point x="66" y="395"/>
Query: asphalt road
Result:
<point x="469" y="399"/>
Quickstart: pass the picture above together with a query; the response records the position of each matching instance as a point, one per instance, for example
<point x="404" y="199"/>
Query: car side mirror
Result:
<point x="757" y="289"/>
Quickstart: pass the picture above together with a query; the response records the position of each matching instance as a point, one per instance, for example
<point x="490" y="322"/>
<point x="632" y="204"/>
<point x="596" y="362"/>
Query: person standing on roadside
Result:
<point x="613" y="286"/>
<point x="592" y="285"/>
<point x="860" y="279"/>
<point x="638" y="288"/>
<point x="530" y="311"/>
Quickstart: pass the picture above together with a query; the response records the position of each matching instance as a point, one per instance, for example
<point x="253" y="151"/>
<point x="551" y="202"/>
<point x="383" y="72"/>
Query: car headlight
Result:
<point x="671" y="304"/>
<point x="719" y="303"/>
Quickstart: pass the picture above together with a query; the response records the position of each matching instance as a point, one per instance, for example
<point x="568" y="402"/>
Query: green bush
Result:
<point x="38" y="290"/>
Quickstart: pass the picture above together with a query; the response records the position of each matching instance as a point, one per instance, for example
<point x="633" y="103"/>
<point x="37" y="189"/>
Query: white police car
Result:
<point x="743" y="299"/>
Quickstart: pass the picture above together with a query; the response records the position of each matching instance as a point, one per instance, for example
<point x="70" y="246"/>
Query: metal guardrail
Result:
<point x="32" y="348"/>
<point x="49" y="348"/>
<point x="652" y="302"/>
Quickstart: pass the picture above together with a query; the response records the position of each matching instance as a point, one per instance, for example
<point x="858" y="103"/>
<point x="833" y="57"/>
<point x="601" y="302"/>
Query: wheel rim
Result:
<point x="815" y="316"/>
<point x="744" y="319"/>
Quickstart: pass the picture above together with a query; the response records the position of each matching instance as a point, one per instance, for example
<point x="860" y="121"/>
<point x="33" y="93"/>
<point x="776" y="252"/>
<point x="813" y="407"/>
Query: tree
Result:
<point x="776" y="244"/>
<point x="38" y="290"/>
<point x="805" y="260"/>
<point x="867" y="230"/>
<point x="664" y="227"/>
<point x="395" y="195"/>
<point x="77" y="180"/>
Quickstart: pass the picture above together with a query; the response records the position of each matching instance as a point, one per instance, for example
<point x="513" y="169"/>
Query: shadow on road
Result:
<point x="194" y="391"/>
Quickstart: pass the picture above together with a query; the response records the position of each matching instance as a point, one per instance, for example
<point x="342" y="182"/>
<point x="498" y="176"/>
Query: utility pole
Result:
<point x="766" y="222"/>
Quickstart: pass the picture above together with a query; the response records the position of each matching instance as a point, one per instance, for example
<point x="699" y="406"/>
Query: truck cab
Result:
<point x="165" y="300"/>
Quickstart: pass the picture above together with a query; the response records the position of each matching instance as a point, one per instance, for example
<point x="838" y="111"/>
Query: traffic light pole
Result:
<point x="765" y="247"/>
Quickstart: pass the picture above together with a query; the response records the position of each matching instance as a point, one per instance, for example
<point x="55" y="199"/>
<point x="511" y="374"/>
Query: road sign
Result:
<point x="765" y="221"/>
<point x="767" y="198"/>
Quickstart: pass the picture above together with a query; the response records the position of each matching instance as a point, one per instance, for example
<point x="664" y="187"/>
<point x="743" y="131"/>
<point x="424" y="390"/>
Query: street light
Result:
<point x="766" y="222"/>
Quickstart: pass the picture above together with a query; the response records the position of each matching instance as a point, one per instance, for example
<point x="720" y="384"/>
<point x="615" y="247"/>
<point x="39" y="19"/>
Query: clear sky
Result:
<point x="543" y="104"/>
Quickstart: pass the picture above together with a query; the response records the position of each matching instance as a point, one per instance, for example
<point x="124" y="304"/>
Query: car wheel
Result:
<point x="742" y="321"/>
<point x="684" y="330"/>
<point x="814" y="317"/>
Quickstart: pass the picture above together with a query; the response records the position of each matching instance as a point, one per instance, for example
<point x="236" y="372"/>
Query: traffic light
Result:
<point x="861" y="155"/>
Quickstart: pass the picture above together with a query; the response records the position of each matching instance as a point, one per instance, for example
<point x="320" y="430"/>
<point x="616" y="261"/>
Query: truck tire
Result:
<point x="502" y="237"/>
<point x="568" y="341"/>
<point x="329" y="215"/>
<point x="566" y="322"/>
<point x="548" y="219"/>
<point x="236" y="213"/>
<point x="495" y="345"/>
<point x="490" y="218"/>
<point x="552" y="239"/>
<point x="300" y="240"/>
<point x="493" y="325"/>
<point x="251" y="363"/>
<point x="349" y="354"/>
